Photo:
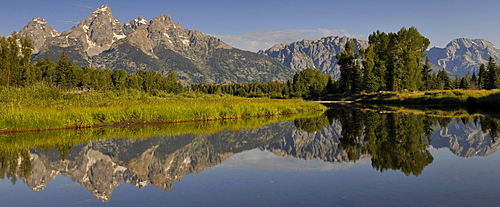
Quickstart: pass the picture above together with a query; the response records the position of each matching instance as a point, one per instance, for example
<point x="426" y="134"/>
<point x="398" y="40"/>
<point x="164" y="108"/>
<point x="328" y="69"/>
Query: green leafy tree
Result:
<point x="119" y="79"/>
<point x="349" y="69"/>
<point x="371" y="81"/>
<point x="310" y="83"/>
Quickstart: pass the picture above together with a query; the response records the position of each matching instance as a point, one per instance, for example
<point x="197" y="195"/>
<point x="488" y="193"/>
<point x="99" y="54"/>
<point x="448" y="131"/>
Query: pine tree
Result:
<point x="426" y="75"/>
<point x="492" y="81"/>
<point x="482" y="76"/>
<point x="371" y="82"/>
<point x="473" y="81"/>
<point x="444" y="80"/>
<point x="348" y="69"/>
<point x="62" y="71"/>
<point x="464" y="83"/>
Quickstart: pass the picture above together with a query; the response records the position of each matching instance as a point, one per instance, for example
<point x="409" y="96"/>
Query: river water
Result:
<point x="345" y="157"/>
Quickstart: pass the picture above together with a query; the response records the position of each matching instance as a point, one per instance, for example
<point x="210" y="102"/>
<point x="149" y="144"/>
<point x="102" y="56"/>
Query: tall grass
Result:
<point x="42" y="107"/>
<point x="436" y="97"/>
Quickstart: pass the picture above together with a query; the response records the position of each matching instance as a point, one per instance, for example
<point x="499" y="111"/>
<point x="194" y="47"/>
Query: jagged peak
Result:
<point x="102" y="9"/>
<point x="39" y="20"/>
<point x="166" y="19"/>
<point x="467" y="42"/>
<point x="141" y="21"/>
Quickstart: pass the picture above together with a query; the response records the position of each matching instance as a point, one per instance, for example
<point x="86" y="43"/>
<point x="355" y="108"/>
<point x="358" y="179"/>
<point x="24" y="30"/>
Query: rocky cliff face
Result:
<point x="101" y="41"/>
<point x="38" y="30"/>
<point x="319" y="54"/>
<point x="462" y="56"/>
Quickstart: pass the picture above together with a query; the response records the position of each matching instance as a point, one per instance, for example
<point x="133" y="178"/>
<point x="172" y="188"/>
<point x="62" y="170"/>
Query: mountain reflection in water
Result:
<point x="389" y="141"/>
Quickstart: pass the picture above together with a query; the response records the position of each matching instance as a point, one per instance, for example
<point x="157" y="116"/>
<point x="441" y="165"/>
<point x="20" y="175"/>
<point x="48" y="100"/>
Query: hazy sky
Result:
<point x="259" y="24"/>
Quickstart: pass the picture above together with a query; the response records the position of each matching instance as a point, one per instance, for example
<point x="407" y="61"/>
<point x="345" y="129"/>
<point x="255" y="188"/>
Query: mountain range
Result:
<point x="100" y="41"/>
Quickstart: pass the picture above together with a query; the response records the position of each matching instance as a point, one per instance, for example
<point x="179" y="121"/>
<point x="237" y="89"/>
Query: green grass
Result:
<point x="436" y="97"/>
<point x="43" y="107"/>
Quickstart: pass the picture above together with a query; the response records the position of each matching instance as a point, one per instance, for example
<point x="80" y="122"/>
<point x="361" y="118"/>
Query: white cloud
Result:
<point x="84" y="6"/>
<point x="68" y="22"/>
<point x="264" y="39"/>
<point x="268" y="161"/>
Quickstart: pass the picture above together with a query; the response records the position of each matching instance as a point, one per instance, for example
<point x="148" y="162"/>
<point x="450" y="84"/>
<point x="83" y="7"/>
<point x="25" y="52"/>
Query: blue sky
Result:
<point x="259" y="24"/>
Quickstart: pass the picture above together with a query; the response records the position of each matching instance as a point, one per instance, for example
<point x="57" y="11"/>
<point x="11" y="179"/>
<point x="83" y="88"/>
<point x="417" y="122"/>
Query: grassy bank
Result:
<point x="438" y="97"/>
<point x="42" y="107"/>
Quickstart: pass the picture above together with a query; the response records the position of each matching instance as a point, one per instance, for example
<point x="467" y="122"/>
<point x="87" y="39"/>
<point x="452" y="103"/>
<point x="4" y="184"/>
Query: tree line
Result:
<point x="17" y="70"/>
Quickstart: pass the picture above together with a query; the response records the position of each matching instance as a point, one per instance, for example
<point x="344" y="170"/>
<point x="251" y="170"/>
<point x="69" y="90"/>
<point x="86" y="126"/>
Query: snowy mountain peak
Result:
<point x="38" y="30"/>
<point x="102" y="9"/>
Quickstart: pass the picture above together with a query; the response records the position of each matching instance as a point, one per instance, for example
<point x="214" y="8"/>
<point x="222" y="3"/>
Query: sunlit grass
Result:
<point x="43" y="107"/>
<point x="435" y="97"/>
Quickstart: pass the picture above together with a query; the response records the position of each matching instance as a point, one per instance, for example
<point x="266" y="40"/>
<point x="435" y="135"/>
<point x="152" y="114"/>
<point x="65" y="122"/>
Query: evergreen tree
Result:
<point x="492" y="81"/>
<point x="62" y="71"/>
<point x="349" y="71"/>
<point x="482" y="76"/>
<point x="464" y="83"/>
<point x="473" y="81"/>
<point x="426" y="75"/>
<point x="371" y="82"/>
<point x="444" y="80"/>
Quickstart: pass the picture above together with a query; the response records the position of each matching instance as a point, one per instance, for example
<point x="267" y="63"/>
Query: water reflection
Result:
<point x="97" y="161"/>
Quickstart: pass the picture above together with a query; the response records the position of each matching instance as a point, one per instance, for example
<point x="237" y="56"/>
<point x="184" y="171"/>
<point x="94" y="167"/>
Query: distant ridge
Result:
<point x="319" y="54"/>
<point x="464" y="56"/>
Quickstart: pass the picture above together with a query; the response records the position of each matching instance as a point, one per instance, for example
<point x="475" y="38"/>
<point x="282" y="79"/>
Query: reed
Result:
<point x="436" y="97"/>
<point x="42" y="107"/>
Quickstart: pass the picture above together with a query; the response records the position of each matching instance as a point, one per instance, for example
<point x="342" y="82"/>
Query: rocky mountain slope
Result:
<point x="319" y="54"/>
<point x="101" y="41"/>
<point x="39" y="31"/>
<point x="462" y="56"/>
<point x="465" y="140"/>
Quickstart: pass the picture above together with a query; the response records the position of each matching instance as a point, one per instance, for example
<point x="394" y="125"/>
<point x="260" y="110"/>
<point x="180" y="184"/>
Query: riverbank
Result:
<point x="472" y="98"/>
<point x="43" y="108"/>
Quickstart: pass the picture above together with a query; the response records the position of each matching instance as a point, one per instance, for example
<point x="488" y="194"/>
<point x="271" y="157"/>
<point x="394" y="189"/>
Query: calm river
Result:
<point x="345" y="157"/>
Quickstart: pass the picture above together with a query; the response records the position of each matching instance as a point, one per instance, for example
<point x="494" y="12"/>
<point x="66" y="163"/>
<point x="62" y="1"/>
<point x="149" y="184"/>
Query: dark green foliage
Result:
<point x="310" y="83"/>
<point x="491" y="80"/>
<point x="313" y="124"/>
<point x="482" y="76"/>
<point x="350" y="72"/>
<point x="391" y="62"/>
<point x="395" y="141"/>
<point x="444" y="80"/>
<point x="15" y="67"/>
<point x="465" y="83"/>
<point x="16" y="70"/>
